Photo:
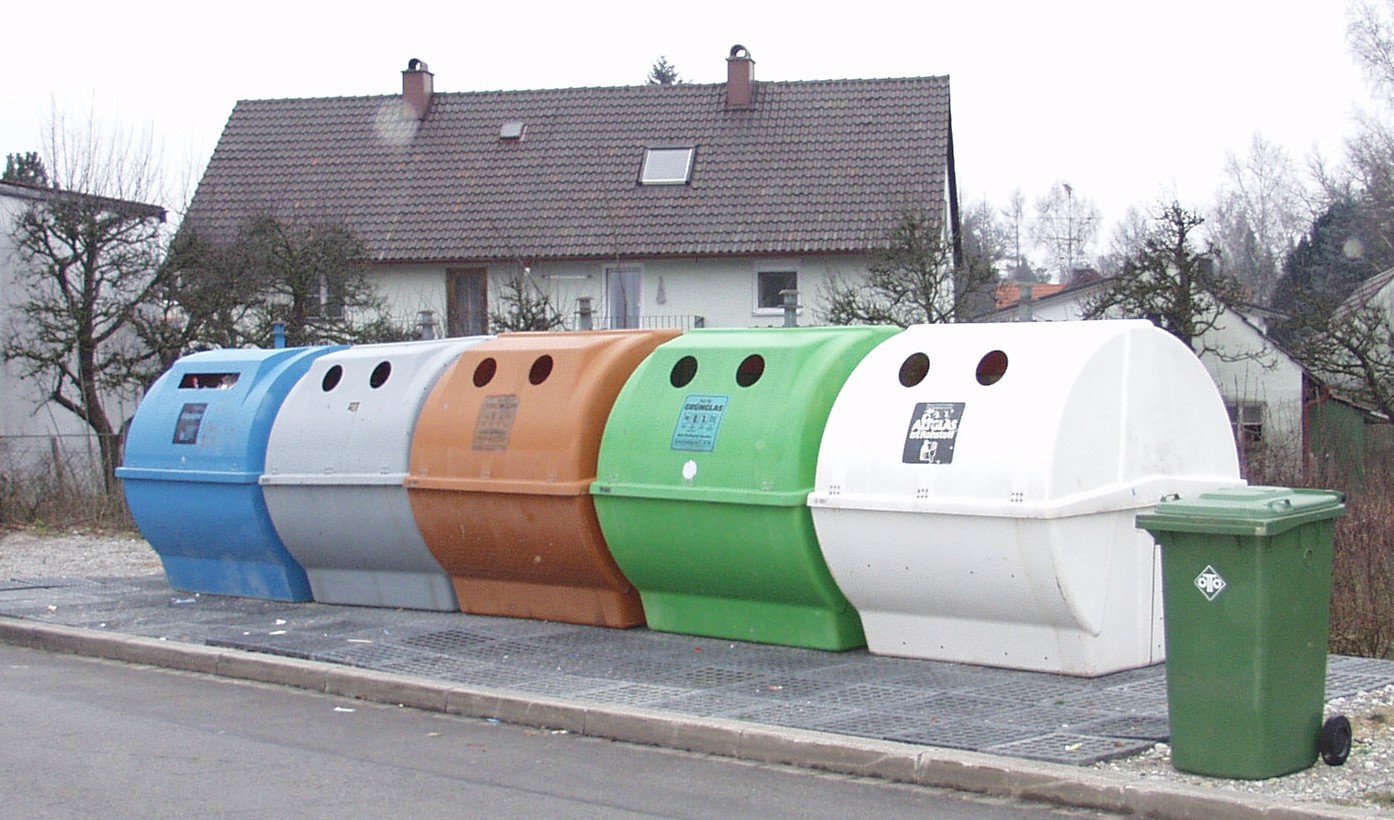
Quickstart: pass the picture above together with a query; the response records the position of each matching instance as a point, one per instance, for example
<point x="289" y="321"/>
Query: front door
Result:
<point x="622" y="293"/>
<point x="467" y="301"/>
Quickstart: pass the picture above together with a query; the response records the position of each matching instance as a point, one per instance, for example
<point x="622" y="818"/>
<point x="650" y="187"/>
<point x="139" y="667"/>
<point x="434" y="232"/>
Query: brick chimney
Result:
<point x="416" y="89"/>
<point x="740" y="79"/>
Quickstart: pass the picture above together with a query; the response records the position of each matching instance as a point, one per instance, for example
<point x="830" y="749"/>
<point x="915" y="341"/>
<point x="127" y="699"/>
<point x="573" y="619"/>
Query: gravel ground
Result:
<point x="1365" y="781"/>
<point x="33" y="554"/>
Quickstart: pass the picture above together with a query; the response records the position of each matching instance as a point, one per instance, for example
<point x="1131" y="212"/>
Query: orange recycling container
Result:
<point x="501" y="465"/>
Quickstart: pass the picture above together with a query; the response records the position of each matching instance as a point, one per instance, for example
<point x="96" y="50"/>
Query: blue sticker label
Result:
<point x="933" y="433"/>
<point x="190" y="419"/>
<point x="698" y="423"/>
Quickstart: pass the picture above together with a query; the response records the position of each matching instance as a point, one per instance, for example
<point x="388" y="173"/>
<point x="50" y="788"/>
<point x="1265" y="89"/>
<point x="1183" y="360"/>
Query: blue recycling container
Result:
<point x="194" y="454"/>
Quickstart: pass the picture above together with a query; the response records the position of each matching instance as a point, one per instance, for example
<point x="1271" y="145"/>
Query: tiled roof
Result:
<point x="1009" y="293"/>
<point x="1366" y="292"/>
<point x="30" y="192"/>
<point x="812" y="167"/>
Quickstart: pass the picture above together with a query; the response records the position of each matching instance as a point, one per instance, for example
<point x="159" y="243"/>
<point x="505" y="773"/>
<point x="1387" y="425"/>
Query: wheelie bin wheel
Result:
<point x="1335" y="740"/>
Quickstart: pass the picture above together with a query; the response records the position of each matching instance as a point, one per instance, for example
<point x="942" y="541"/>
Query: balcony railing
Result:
<point x="601" y="321"/>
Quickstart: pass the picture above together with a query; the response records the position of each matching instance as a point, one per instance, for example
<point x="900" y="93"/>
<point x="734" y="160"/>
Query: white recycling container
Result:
<point x="977" y="487"/>
<point x="336" y="463"/>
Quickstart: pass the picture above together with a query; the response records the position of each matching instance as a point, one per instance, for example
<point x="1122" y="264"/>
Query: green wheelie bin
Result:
<point x="703" y="478"/>
<point x="1246" y="591"/>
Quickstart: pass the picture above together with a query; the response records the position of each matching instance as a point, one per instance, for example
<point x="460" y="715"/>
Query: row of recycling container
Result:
<point x="955" y="492"/>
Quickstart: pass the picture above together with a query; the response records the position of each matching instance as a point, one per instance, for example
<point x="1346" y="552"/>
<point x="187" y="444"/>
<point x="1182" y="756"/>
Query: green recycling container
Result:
<point x="1246" y="592"/>
<point x="703" y="478"/>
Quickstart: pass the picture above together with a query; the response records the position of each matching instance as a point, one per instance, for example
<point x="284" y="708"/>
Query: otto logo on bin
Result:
<point x="1210" y="583"/>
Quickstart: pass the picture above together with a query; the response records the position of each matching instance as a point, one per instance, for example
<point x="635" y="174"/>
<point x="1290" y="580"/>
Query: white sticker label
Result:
<point x="1210" y="583"/>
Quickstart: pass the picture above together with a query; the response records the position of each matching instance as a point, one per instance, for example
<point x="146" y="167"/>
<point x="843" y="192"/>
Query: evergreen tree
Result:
<point x="25" y="168"/>
<point x="664" y="73"/>
<point x="1326" y="266"/>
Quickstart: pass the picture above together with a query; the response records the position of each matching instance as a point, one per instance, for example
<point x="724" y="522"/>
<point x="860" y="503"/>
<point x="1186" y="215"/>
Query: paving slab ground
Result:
<point x="1001" y="731"/>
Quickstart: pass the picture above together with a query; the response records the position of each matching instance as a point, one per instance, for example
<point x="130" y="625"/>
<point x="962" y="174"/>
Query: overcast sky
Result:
<point x="1128" y="102"/>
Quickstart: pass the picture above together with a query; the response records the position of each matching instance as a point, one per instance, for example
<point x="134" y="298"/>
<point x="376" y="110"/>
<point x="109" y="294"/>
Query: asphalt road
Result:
<point x="90" y="738"/>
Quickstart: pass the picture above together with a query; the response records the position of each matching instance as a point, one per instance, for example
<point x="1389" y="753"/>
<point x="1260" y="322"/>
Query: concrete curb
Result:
<point x="900" y="762"/>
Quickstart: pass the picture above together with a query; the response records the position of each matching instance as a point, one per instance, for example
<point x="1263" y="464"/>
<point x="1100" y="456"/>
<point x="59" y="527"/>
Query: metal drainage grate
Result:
<point x="1077" y="750"/>
<point x="1037" y="689"/>
<point x="869" y="696"/>
<point x="709" y="704"/>
<point x="1046" y="718"/>
<point x="972" y="735"/>
<point x="1156" y="728"/>
<point x="563" y="686"/>
<point x="433" y="666"/>
<point x="954" y="705"/>
<point x="797" y="715"/>
<point x="1341" y="684"/>
<point x="449" y="641"/>
<point x="882" y="725"/>
<point x="631" y="694"/>
<point x="709" y="677"/>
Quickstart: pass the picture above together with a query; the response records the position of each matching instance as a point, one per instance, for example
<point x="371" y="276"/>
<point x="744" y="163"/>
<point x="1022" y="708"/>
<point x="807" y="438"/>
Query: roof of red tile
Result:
<point x="813" y="167"/>
<point x="1009" y="293"/>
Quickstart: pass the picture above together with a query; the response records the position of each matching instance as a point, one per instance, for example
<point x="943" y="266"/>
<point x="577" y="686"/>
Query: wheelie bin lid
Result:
<point x="1257" y="511"/>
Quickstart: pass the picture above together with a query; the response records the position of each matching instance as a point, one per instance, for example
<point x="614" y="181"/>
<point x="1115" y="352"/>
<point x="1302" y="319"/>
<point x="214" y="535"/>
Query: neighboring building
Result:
<point x="662" y="205"/>
<point x="36" y="433"/>
<point x="1276" y="406"/>
<point x="1377" y="291"/>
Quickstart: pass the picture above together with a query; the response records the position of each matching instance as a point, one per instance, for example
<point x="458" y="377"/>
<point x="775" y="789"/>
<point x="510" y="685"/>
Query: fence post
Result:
<point x="426" y="325"/>
<point x="584" y="318"/>
<point x="56" y="453"/>
<point x="791" y="307"/>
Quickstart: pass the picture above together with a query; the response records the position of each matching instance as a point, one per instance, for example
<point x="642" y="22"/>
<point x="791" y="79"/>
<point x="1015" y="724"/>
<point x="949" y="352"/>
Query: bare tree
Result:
<point x="1260" y="214"/>
<point x="311" y="278"/>
<point x="524" y="305"/>
<point x="1370" y="35"/>
<point x="1172" y="280"/>
<point x="1356" y="351"/>
<point x="1019" y="267"/>
<point x="90" y="250"/>
<point x="1065" y="228"/>
<point x="1127" y="239"/>
<point x="913" y="279"/>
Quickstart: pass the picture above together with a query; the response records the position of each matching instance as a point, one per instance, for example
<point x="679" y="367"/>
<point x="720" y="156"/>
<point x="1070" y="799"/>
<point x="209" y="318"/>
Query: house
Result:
<point x="656" y="205"/>
<point x="36" y="434"/>
<point x="1377" y="291"/>
<point x="1279" y="411"/>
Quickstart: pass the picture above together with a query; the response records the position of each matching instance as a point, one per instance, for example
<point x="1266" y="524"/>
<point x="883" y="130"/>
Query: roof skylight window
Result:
<point x="667" y="166"/>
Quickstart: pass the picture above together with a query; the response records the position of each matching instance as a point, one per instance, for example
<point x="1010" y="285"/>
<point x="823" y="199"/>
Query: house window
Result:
<point x="768" y="284"/>
<point x="328" y="302"/>
<point x="667" y="166"/>
<point x="1246" y="421"/>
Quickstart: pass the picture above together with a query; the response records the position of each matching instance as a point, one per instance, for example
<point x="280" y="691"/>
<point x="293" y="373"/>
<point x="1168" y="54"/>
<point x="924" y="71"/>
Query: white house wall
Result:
<point x="720" y="290"/>
<point x="33" y="429"/>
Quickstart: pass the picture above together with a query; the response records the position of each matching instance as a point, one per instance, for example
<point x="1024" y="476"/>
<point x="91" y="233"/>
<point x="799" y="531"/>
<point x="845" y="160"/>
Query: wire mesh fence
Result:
<point x="56" y="478"/>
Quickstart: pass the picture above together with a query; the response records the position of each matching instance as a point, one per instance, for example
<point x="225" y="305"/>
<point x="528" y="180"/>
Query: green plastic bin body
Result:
<point x="703" y="478"/>
<point x="1246" y="590"/>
